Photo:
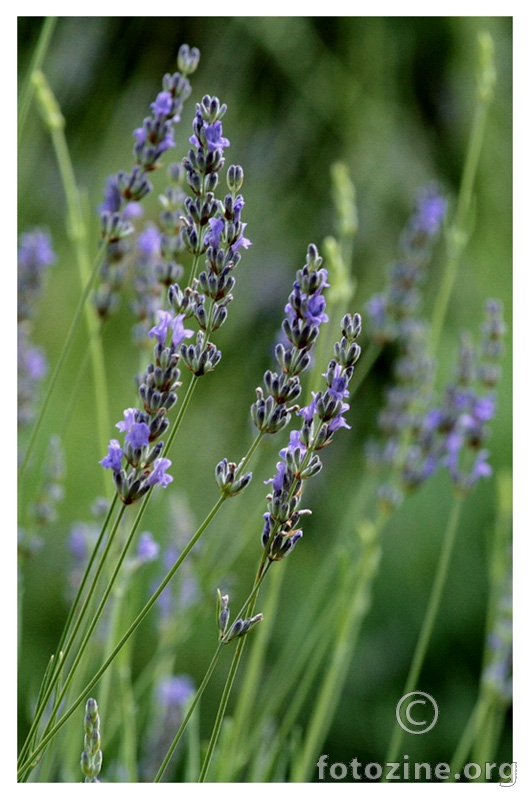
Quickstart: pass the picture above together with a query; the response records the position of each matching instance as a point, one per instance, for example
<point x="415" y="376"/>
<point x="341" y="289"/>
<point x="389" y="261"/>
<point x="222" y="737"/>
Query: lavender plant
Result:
<point x="174" y="623"/>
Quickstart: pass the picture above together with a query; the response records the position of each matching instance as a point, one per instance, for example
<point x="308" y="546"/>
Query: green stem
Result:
<point x="459" y="231"/>
<point x="67" y="344"/>
<point x="28" y="88"/>
<point x="52" y="673"/>
<point x="356" y="595"/>
<point x="430" y="617"/>
<point x="475" y="723"/>
<point x="246" y="610"/>
<point x="191" y="709"/>
<point x="134" y="625"/>
<point x="77" y="233"/>
<point x="251" y="684"/>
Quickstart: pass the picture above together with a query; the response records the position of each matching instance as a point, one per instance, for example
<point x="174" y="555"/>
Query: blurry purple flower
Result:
<point x="158" y="476"/>
<point x="113" y="459"/>
<point x="147" y="549"/>
<point x="175" y="690"/>
<point x="213" y="236"/>
<point x="33" y="362"/>
<point x="214" y="135"/>
<point x="163" y="105"/>
<point x="35" y="250"/>
<point x="160" y="330"/>
<point x="138" y="435"/>
<point x="179" y="331"/>
<point x="149" y="241"/>
<point x="431" y="207"/>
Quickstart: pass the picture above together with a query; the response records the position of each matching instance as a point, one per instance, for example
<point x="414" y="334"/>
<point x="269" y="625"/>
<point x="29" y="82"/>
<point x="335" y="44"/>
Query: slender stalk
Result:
<point x="134" y="625"/>
<point x="191" y="709"/>
<point x="28" y="88"/>
<point x="475" y="723"/>
<point x="67" y="344"/>
<point x="77" y="233"/>
<point x="52" y="673"/>
<point x="350" y="619"/>
<point x="67" y="647"/>
<point x="459" y="231"/>
<point x="253" y="678"/>
<point x="245" y="610"/>
<point x="430" y="616"/>
<point x="248" y="609"/>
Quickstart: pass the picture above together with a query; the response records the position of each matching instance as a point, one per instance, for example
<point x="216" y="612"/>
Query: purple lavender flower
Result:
<point x="160" y="330"/>
<point x="464" y="479"/>
<point x="339" y="383"/>
<point x="35" y="255"/>
<point x="149" y="242"/>
<point x="210" y="135"/>
<point x="179" y="331"/>
<point x="35" y="250"/>
<point x="125" y="190"/>
<point x="430" y="211"/>
<point x="390" y="310"/>
<point x="113" y="459"/>
<point x="147" y="549"/>
<point x="175" y="690"/>
<point x="338" y="420"/>
<point x="315" y="309"/>
<point x="159" y="476"/>
<point x="213" y="236"/>
<point x="137" y="433"/>
<point x="241" y="240"/>
<point x="214" y="135"/>
<point x="112" y="196"/>
<point x="163" y="106"/>
<point x="279" y="479"/>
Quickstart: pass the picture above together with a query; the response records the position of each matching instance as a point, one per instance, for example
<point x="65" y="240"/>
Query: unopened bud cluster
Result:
<point x="138" y="465"/>
<point x="125" y="190"/>
<point x="239" y="628"/>
<point x="217" y="229"/>
<point x="401" y="299"/>
<point x="91" y="757"/>
<point x="305" y="312"/>
<point x="321" y="418"/>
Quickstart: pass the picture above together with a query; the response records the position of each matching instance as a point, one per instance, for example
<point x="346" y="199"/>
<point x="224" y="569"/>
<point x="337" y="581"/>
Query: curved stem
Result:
<point x="134" y="625"/>
<point x="430" y="617"/>
<point x="458" y="233"/>
<point x="247" y="609"/>
<point x="52" y="673"/>
<point x="191" y="709"/>
<point x="26" y="95"/>
<point x="355" y="593"/>
<point x="67" y="344"/>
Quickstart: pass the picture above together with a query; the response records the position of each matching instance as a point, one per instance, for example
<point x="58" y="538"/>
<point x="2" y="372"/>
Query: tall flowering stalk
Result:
<point x="298" y="462"/>
<point x="305" y="312"/>
<point x="213" y="228"/>
<point x="124" y="191"/>
<point x="461" y="428"/>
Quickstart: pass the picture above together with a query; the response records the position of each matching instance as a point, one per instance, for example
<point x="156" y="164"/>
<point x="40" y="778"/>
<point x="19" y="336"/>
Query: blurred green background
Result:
<point x="393" y="98"/>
